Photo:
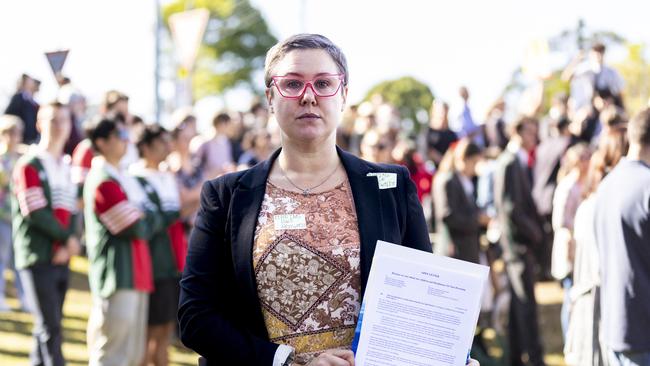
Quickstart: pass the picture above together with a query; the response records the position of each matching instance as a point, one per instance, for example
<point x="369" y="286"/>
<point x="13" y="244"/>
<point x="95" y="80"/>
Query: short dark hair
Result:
<point x="520" y="123"/>
<point x="221" y="118"/>
<point x="145" y="135"/>
<point x="136" y="120"/>
<point x="612" y="116"/>
<point x="638" y="129"/>
<point x="463" y="149"/>
<point x="304" y="41"/>
<point x="101" y="127"/>
<point x="598" y="47"/>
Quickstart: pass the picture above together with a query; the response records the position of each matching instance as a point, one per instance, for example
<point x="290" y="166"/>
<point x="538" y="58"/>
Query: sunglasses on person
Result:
<point x="122" y="134"/>
<point x="293" y="87"/>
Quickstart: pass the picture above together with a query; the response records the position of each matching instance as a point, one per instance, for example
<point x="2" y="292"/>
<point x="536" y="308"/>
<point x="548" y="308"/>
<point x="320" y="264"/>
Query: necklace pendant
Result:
<point x="305" y="192"/>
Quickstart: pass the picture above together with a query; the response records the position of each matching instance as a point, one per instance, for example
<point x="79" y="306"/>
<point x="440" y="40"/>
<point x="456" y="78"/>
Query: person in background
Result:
<point x="494" y="129"/>
<point x="82" y="158"/>
<point x="11" y="134"/>
<point x="622" y="228"/>
<point x="73" y="98"/>
<point x="568" y="195"/>
<point x="521" y="233"/>
<point x="116" y="103"/>
<point x="215" y="152"/>
<point x="187" y="169"/>
<point x="345" y="132"/>
<point x="548" y="161"/>
<point x="168" y="246"/>
<point x="235" y="132"/>
<point x="582" y="346"/>
<point x="458" y="218"/>
<point x="376" y="147"/>
<point x="557" y="112"/>
<point x="23" y="105"/>
<point x="257" y="147"/>
<point x="43" y="206"/>
<point x="612" y="118"/>
<point x="405" y="153"/>
<point x="438" y="136"/>
<point x="467" y="126"/>
<point x="119" y="219"/>
<point x="589" y="75"/>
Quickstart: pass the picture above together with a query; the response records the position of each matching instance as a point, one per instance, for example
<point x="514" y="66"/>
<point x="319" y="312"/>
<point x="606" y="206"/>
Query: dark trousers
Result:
<point x="523" y="330"/>
<point x="45" y="286"/>
<point x="543" y="253"/>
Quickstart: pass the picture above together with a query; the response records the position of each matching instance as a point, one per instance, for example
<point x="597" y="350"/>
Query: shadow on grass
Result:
<point x="551" y="329"/>
<point x="77" y="318"/>
<point x="74" y="336"/>
<point x="12" y="353"/>
<point x="9" y="325"/>
<point x="79" y="281"/>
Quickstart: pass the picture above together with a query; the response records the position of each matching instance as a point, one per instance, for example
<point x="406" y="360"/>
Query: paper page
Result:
<point x="419" y="309"/>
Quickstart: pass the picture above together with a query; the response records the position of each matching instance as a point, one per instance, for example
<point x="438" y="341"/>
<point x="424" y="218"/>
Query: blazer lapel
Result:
<point x="367" y="202"/>
<point x="246" y="202"/>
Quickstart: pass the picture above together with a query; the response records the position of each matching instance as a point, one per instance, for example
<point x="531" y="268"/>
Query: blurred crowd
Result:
<point x="516" y="194"/>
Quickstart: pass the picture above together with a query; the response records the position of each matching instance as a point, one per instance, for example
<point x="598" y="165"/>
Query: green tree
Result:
<point x="569" y="42"/>
<point x="411" y="97"/>
<point x="635" y="70"/>
<point x="234" y="45"/>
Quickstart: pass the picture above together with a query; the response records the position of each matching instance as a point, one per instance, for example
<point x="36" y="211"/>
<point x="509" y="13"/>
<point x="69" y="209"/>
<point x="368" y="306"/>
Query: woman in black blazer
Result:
<point x="458" y="218"/>
<point x="223" y="314"/>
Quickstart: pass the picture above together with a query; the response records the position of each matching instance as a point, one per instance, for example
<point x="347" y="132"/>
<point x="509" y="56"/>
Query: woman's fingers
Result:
<point x="334" y="357"/>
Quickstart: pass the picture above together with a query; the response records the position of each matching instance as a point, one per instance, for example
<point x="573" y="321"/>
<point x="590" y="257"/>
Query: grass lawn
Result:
<point x="16" y="341"/>
<point x="15" y="327"/>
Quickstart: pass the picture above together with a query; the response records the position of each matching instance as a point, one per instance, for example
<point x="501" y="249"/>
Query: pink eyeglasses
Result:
<point x="293" y="87"/>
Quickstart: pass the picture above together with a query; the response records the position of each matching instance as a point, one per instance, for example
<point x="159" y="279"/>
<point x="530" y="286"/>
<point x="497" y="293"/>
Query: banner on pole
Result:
<point x="187" y="30"/>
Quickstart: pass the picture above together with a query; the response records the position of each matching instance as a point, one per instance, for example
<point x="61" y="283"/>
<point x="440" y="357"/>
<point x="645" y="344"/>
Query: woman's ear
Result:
<point x="344" y="94"/>
<point x="269" y="97"/>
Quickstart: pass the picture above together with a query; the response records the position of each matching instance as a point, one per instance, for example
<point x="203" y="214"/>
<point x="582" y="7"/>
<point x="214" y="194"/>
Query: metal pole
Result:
<point x="303" y="14"/>
<point x="157" y="60"/>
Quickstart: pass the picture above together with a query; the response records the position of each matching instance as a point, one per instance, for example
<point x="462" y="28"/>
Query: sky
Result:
<point x="445" y="44"/>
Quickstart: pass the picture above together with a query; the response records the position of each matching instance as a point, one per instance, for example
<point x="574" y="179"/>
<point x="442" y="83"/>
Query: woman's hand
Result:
<point x="334" y="357"/>
<point x="473" y="362"/>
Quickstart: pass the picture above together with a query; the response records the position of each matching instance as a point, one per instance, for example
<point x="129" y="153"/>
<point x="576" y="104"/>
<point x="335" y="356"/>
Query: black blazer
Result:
<point x="520" y="224"/>
<point x="456" y="218"/>
<point x="547" y="164"/>
<point x="219" y="312"/>
<point x="27" y="111"/>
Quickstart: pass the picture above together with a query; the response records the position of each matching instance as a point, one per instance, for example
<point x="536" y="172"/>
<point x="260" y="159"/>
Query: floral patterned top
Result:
<point x="307" y="268"/>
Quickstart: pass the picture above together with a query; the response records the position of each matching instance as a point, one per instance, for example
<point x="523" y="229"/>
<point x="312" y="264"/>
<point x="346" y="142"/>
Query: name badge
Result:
<point x="385" y="180"/>
<point x="290" y="222"/>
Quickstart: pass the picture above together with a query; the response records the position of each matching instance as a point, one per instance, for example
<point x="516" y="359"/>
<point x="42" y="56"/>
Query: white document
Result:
<point x="419" y="309"/>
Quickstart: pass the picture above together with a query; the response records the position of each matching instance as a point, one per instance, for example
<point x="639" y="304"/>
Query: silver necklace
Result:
<point x="306" y="191"/>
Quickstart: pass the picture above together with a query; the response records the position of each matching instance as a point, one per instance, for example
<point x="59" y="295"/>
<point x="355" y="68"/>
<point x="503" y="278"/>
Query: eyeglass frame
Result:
<point x="310" y="84"/>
